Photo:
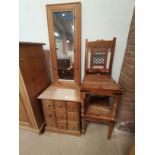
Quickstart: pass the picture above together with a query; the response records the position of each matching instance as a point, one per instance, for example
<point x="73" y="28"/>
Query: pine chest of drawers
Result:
<point x="61" y="108"/>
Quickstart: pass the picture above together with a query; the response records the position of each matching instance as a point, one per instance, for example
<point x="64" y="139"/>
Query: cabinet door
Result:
<point x="22" y="114"/>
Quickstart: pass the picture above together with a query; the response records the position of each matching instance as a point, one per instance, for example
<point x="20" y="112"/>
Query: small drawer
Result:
<point x="73" y="126"/>
<point x="48" y="105"/>
<point x="72" y="106"/>
<point x="62" y="125"/>
<point x="60" y="115"/>
<point x="49" y="115"/>
<point x="51" y="124"/>
<point x="60" y="105"/>
<point x="72" y="116"/>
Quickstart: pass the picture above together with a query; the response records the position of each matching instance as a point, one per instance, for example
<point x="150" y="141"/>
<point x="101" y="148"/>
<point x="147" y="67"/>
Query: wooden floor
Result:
<point x="93" y="143"/>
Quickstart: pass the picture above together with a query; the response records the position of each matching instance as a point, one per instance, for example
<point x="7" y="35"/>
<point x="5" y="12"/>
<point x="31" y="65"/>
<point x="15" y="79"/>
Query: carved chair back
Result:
<point x="99" y="56"/>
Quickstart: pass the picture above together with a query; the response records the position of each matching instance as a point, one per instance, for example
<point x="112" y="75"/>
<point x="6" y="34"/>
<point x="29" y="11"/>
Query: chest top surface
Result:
<point x="61" y="93"/>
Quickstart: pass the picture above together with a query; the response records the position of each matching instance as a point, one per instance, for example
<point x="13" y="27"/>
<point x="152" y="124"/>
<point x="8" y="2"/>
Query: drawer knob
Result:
<point x="49" y="106"/>
<point x="50" y="115"/>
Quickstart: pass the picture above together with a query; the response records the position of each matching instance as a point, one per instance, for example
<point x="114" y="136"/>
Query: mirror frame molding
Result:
<point x="76" y="8"/>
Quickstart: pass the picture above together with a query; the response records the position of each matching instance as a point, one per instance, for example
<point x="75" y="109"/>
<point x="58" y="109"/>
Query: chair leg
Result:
<point x="110" y="129"/>
<point x="84" y="125"/>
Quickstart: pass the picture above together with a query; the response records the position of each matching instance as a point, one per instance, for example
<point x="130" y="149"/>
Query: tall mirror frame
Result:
<point x="76" y="9"/>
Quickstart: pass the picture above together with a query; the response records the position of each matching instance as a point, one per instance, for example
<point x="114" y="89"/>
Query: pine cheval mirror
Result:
<point x="64" y="26"/>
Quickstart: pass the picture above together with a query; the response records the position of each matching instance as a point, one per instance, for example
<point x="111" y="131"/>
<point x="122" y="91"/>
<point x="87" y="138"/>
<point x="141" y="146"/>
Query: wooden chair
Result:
<point x="99" y="92"/>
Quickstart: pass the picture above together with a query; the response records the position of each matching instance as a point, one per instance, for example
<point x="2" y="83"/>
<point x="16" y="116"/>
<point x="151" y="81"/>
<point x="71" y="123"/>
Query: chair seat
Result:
<point x="99" y="83"/>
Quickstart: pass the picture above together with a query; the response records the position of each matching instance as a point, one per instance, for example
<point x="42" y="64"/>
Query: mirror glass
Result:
<point x="64" y="37"/>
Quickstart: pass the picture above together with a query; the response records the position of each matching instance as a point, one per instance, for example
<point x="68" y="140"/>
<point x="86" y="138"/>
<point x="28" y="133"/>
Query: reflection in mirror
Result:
<point x="64" y="37"/>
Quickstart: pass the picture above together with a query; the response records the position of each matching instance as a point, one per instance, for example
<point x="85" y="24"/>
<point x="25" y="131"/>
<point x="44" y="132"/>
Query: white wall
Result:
<point x="101" y="19"/>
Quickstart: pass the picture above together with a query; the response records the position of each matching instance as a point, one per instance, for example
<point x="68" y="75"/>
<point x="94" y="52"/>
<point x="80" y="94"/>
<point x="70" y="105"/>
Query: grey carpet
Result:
<point x="94" y="142"/>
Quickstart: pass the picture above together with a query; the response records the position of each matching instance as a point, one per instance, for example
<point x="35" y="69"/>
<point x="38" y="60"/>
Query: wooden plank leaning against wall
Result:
<point x="33" y="79"/>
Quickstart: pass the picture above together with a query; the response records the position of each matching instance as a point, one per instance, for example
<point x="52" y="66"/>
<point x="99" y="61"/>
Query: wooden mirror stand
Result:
<point x="61" y="101"/>
<point x="64" y="26"/>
